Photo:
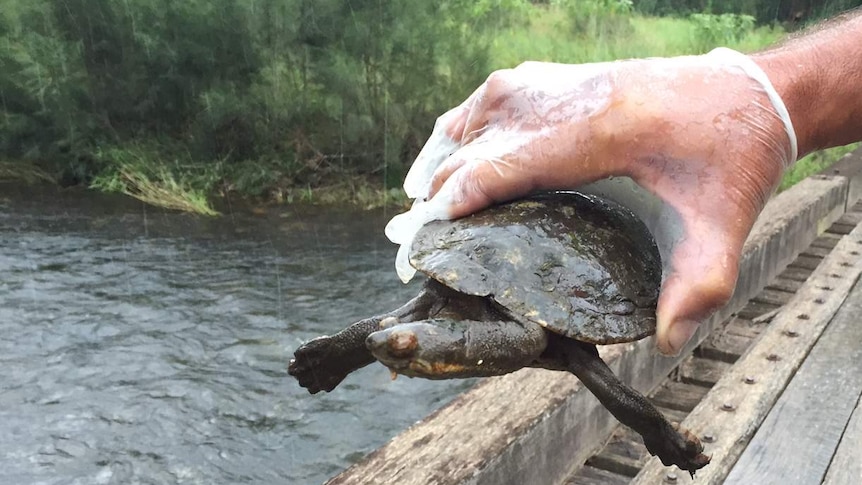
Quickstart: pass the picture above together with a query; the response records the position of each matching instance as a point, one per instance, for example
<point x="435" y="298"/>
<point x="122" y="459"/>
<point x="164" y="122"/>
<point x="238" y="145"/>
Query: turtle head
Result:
<point x="450" y="349"/>
<point x="432" y="349"/>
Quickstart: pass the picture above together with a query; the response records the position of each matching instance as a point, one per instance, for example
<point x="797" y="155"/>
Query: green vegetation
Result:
<point x="11" y="171"/>
<point x="563" y="33"/>
<point x="286" y="100"/>
<point x="814" y="163"/>
<point x="150" y="179"/>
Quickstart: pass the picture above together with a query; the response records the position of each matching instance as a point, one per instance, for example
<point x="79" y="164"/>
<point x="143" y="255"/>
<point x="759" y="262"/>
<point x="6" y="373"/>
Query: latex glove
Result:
<point x="706" y="138"/>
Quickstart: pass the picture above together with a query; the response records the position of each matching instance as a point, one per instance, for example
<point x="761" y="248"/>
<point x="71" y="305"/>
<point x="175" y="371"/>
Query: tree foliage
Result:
<point x="266" y="92"/>
<point x="304" y="84"/>
<point x="789" y="12"/>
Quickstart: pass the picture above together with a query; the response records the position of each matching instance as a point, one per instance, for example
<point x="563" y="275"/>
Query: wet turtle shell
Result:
<point x="578" y="265"/>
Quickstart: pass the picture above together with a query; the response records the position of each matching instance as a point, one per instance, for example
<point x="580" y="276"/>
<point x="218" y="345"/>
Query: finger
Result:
<point x="444" y="171"/>
<point x="439" y="146"/>
<point x="702" y="279"/>
<point x="446" y="137"/>
<point x="477" y="135"/>
<point x="492" y="145"/>
<point x="482" y="179"/>
<point x="503" y="164"/>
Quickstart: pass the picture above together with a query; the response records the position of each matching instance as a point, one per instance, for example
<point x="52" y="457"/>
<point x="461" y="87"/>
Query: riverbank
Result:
<point x="360" y="192"/>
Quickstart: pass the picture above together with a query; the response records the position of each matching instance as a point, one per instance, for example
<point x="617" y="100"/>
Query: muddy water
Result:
<point x="145" y="346"/>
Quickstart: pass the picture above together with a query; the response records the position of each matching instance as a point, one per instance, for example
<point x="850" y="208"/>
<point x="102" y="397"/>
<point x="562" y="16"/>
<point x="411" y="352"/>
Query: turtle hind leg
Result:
<point x="322" y="363"/>
<point x="672" y="444"/>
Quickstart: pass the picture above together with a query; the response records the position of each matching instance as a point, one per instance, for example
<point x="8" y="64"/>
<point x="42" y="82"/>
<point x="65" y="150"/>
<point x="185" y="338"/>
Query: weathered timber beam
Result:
<point x="849" y="167"/>
<point x="846" y="467"/>
<point x="799" y="436"/>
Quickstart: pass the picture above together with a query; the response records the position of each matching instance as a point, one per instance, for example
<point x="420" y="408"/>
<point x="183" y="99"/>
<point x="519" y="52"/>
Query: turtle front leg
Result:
<point x="322" y="363"/>
<point x="672" y="444"/>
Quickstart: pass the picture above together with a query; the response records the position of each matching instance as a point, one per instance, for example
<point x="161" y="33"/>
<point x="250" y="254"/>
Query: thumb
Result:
<point x="702" y="279"/>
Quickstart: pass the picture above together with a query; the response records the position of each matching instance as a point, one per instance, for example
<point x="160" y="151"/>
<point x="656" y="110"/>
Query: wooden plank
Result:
<point x="727" y="344"/>
<point x="797" y="274"/>
<point x="773" y="297"/>
<point x="679" y="395"/>
<point x="740" y="400"/>
<point x="807" y="262"/>
<point x="454" y="442"/>
<point x="702" y="372"/>
<point x="850" y="168"/>
<point x="840" y="228"/>
<point x="826" y="240"/>
<point x="673" y="415"/>
<point x="784" y="284"/>
<point x="724" y="347"/>
<point x="594" y="476"/>
<point x="749" y="328"/>
<point x="846" y="466"/>
<point x="536" y="426"/>
<point x="619" y="464"/>
<point x="816" y="252"/>
<point x="755" y="309"/>
<point x="852" y="218"/>
<point x="798" y="438"/>
<point x="623" y="454"/>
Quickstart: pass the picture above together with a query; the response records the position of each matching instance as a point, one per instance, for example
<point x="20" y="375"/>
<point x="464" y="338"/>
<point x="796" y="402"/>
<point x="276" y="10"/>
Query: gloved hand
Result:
<point x="705" y="137"/>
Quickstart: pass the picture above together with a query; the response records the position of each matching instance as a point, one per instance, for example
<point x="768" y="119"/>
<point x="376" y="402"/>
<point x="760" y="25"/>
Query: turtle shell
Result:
<point x="576" y="264"/>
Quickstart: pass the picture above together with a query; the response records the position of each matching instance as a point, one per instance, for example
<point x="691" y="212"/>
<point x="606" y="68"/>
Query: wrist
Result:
<point x="819" y="78"/>
<point x="796" y="84"/>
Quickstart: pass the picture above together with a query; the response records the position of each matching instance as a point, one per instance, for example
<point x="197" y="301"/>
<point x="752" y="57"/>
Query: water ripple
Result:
<point x="142" y="346"/>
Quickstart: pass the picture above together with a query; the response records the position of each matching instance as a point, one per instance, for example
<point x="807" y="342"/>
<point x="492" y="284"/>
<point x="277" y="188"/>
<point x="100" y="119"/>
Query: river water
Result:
<point x="145" y="346"/>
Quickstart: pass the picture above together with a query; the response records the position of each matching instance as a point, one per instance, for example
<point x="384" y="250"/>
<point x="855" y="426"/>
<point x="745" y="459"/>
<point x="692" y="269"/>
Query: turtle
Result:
<point x="537" y="282"/>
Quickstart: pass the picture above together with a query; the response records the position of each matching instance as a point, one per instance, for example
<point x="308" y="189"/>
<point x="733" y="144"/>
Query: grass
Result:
<point x="142" y="174"/>
<point x="813" y="163"/>
<point x="551" y="36"/>
<point x="159" y="188"/>
<point x="357" y="191"/>
<point x="164" y="190"/>
<point x="23" y="172"/>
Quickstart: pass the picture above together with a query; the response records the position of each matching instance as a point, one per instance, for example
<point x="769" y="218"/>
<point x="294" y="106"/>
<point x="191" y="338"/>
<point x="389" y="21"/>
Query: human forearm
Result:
<point x="819" y="76"/>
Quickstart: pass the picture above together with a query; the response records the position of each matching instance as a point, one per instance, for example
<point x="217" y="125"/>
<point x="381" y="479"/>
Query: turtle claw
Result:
<point x="678" y="446"/>
<point x="316" y="365"/>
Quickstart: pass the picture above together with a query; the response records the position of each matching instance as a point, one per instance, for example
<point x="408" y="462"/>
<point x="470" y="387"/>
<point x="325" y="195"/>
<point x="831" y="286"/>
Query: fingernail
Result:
<point x="680" y="333"/>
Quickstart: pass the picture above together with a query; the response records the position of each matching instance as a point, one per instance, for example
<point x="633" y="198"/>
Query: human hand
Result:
<point x="705" y="136"/>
